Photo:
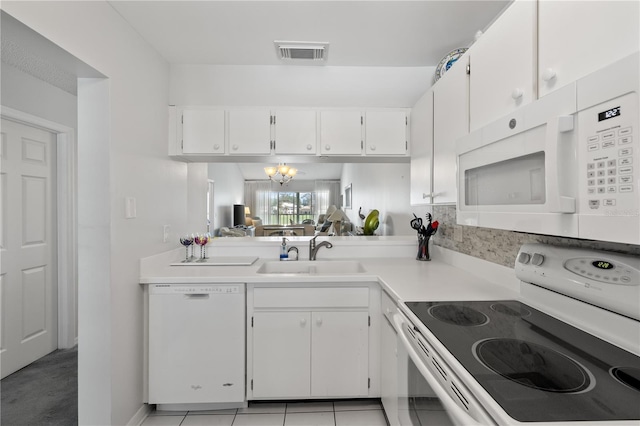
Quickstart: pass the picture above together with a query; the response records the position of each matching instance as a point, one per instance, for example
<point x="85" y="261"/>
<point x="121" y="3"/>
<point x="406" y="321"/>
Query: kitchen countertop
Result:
<point x="404" y="279"/>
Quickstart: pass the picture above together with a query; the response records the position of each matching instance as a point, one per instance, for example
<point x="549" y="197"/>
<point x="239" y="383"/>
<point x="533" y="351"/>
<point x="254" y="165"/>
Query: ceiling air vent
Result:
<point x="307" y="51"/>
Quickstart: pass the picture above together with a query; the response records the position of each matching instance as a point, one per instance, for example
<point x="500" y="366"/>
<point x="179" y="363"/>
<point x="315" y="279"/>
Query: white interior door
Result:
<point x="28" y="274"/>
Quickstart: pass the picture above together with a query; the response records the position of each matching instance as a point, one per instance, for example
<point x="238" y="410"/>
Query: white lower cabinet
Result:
<point x="339" y="353"/>
<point x="281" y="354"/>
<point x="308" y="342"/>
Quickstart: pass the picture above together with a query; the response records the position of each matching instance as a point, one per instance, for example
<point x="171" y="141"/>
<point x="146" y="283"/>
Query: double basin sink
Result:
<point x="315" y="267"/>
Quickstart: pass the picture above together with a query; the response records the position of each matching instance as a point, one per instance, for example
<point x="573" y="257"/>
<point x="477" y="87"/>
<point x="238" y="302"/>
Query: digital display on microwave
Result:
<point x="610" y="113"/>
<point x="602" y="264"/>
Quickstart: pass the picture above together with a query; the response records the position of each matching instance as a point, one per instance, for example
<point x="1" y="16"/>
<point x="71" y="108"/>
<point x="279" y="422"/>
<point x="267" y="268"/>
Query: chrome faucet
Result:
<point x="313" y="248"/>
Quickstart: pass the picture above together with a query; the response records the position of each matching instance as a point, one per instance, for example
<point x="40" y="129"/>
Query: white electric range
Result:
<point x="566" y="353"/>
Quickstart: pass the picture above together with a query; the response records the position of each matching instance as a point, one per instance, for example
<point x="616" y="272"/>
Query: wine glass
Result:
<point x="186" y="240"/>
<point x="202" y="240"/>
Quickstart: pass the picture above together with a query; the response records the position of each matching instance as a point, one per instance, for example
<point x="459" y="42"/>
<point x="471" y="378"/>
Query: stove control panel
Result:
<point x="196" y="289"/>
<point x="605" y="279"/>
<point x="603" y="269"/>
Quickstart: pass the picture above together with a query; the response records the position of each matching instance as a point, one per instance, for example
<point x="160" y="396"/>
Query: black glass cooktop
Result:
<point x="536" y="367"/>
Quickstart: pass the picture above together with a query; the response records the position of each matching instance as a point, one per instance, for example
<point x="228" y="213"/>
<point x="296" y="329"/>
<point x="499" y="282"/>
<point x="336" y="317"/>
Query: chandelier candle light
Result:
<point x="285" y="172"/>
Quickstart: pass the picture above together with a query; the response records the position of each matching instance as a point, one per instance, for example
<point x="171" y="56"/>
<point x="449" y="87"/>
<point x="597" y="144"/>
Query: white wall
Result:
<point x="384" y="187"/>
<point x="289" y="85"/>
<point x="228" y="190"/>
<point x="136" y="164"/>
<point x="28" y="94"/>
<point x="198" y="185"/>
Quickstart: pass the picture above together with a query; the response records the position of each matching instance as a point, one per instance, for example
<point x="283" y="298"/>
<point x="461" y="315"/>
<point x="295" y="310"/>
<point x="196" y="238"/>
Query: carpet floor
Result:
<point x="44" y="393"/>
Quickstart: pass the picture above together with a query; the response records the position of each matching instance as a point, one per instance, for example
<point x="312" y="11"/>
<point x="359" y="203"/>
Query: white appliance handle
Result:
<point x="455" y="412"/>
<point x="556" y="173"/>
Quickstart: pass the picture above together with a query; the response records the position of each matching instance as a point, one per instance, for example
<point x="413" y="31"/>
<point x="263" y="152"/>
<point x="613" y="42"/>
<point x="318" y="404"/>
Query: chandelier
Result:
<point x="282" y="173"/>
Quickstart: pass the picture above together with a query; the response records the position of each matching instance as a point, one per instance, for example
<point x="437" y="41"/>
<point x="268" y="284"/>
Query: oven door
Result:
<point x="421" y="396"/>
<point x="417" y="402"/>
<point x="519" y="172"/>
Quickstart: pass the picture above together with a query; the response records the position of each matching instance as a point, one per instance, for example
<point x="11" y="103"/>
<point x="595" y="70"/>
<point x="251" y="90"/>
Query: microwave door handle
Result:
<point x="557" y="176"/>
<point x="457" y="414"/>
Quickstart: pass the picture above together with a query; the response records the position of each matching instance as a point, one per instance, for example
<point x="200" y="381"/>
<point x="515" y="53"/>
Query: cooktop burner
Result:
<point x="537" y="368"/>
<point x="511" y="309"/>
<point x="627" y="376"/>
<point x="532" y="365"/>
<point x="458" y="315"/>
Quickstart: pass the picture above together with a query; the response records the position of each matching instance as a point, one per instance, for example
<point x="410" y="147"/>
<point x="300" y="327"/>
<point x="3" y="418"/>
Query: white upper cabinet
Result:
<point x="341" y="132"/>
<point x="249" y="132"/>
<point x="450" y="122"/>
<point x="386" y="133"/>
<point x="576" y="38"/>
<point x="502" y="65"/>
<point x="202" y="131"/>
<point x="421" y="149"/>
<point x="210" y="131"/>
<point x="295" y="132"/>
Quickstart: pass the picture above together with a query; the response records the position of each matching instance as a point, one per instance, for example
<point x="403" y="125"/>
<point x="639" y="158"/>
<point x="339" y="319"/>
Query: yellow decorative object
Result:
<point x="371" y="223"/>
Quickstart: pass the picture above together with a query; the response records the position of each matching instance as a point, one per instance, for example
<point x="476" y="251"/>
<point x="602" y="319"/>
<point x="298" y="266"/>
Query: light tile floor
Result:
<point x="360" y="412"/>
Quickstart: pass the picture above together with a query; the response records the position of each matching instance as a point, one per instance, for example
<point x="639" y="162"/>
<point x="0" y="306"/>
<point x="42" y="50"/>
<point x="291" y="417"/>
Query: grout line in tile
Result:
<point x="335" y="421"/>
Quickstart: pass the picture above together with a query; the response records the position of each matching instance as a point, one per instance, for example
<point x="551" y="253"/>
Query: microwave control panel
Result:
<point x="608" y="157"/>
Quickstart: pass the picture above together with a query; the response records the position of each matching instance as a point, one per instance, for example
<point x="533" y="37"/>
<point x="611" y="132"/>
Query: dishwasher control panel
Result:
<point x="196" y="289"/>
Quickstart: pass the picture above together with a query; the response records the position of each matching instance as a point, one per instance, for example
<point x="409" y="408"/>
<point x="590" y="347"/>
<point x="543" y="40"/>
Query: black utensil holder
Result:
<point x="423" y="248"/>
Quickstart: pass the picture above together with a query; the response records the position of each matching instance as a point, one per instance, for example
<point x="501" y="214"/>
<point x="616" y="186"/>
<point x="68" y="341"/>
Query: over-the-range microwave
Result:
<point x="568" y="164"/>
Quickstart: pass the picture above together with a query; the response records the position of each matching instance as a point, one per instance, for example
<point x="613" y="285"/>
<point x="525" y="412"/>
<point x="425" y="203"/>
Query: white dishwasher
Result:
<point x="196" y="343"/>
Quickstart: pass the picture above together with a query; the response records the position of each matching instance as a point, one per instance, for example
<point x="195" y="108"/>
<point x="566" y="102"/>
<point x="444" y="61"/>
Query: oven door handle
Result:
<point x="455" y="412"/>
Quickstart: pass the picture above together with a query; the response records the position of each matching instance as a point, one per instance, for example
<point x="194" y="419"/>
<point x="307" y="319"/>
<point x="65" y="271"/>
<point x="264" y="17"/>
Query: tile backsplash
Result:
<point x="500" y="246"/>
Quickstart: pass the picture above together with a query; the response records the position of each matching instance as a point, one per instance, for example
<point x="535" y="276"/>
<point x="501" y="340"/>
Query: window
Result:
<point x="286" y="208"/>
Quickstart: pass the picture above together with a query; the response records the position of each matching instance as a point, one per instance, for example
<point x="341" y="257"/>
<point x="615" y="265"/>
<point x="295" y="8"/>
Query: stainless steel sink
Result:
<point x="316" y="267"/>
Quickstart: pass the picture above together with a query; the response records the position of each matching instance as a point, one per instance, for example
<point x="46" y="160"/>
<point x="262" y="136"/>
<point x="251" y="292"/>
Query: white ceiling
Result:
<point x="360" y="33"/>
<point x="28" y="51"/>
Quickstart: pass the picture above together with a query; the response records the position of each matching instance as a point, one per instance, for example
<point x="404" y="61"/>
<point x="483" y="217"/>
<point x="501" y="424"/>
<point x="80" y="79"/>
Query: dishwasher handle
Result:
<point x="197" y="296"/>
<point x="455" y="412"/>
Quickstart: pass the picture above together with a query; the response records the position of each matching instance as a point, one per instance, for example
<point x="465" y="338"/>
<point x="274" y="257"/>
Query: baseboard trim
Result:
<point x="140" y="415"/>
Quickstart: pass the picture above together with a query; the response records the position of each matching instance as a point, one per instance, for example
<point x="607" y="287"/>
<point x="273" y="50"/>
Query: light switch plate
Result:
<point x="129" y="208"/>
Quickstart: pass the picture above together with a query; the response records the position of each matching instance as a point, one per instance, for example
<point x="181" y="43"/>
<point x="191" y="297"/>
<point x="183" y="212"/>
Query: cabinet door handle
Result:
<point x="216" y="147"/>
<point x="548" y="74"/>
<point x="309" y="147"/>
<point x="372" y="148"/>
<point x="517" y="93"/>
<point x="327" y="147"/>
<point x="319" y="321"/>
<point x="303" y="322"/>
<point x="235" y="147"/>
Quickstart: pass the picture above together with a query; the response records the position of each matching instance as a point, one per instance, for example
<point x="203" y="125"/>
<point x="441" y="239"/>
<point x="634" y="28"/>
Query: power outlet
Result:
<point x="165" y="233"/>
